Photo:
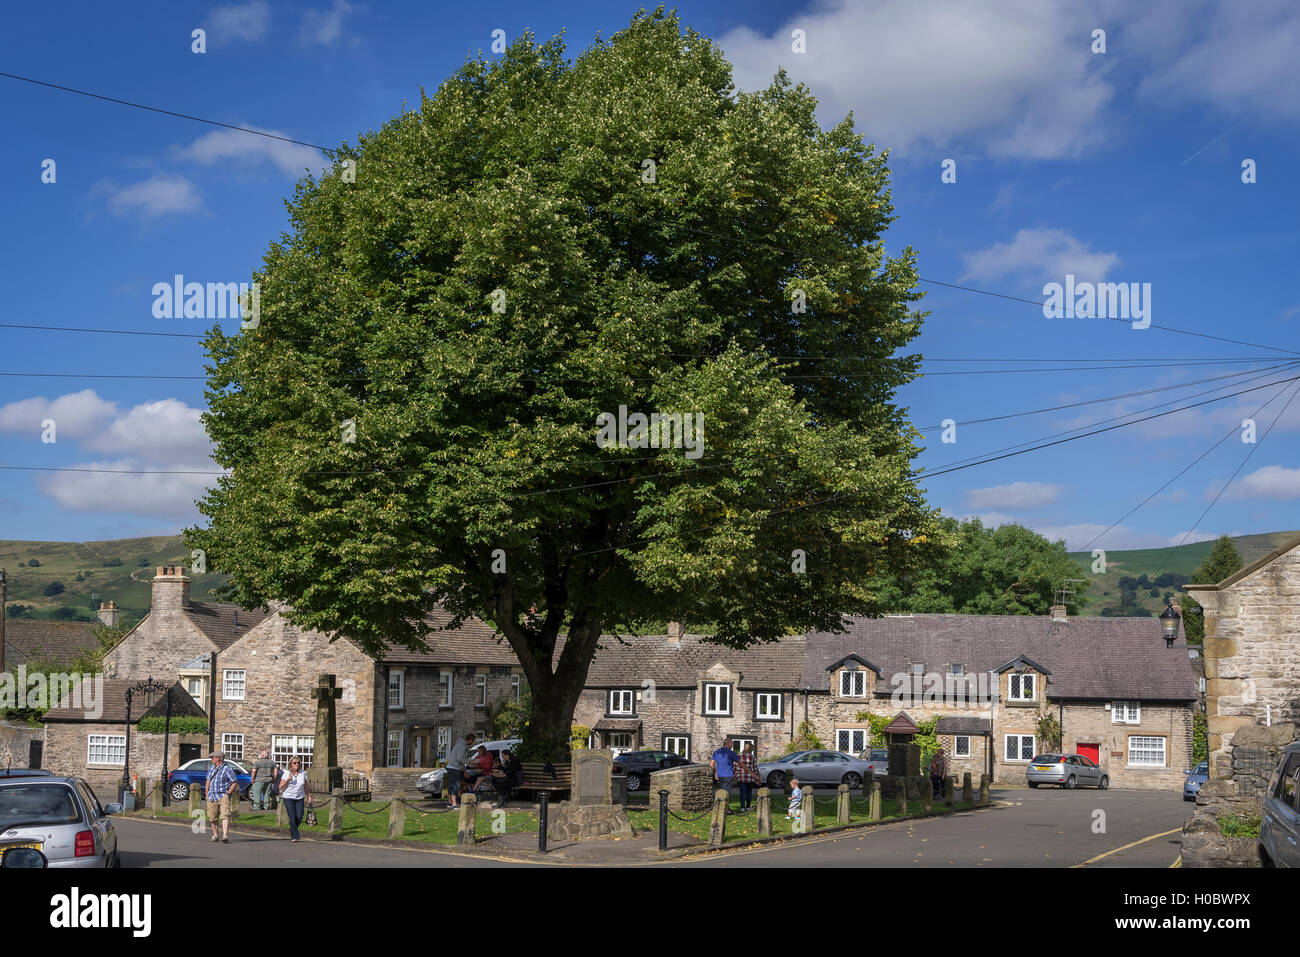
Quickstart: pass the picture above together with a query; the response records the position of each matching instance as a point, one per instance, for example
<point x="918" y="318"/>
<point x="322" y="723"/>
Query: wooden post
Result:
<point x="900" y="784"/>
<point x="718" y="819"/>
<point x="396" y="817"/>
<point x="965" y="787"/>
<point x="281" y="815"/>
<point x="948" y="787"/>
<point x="468" y="818"/>
<point x="234" y="806"/>
<point x="807" y="811"/>
<point x="763" y="812"/>
<point x="196" y="800"/>
<point x="984" y="791"/>
<point x="842" y="804"/>
<point x="927" y="794"/>
<point x="875" y="797"/>
<point x="336" y="814"/>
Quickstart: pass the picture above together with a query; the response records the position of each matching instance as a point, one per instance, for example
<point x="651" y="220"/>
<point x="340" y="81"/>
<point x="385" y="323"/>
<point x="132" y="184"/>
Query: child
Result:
<point x="796" y="800"/>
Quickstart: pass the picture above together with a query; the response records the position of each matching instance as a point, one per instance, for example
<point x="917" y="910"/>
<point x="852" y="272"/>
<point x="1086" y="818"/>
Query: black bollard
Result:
<point x="663" y="820"/>
<point x="544" y="798"/>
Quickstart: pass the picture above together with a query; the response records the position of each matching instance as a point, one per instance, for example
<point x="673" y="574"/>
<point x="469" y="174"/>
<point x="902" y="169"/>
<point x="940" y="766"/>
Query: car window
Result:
<point x="1202" y="768"/>
<point x="92" y="803"/>
<point x="1287" y="781"/>
<point x="37" y="804"/>
<point x="839" y="758"/>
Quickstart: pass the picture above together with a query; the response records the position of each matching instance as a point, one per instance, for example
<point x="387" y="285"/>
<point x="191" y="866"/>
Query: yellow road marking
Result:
<point x="1094" y="860"/>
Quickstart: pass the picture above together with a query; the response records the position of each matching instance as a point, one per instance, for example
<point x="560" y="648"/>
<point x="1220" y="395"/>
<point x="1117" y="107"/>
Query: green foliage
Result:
<point x="1009" y="570"/>
<point x="19" y="611"/>
<point x="112" y="563"/>
<point x="511" y="719"/>
<point x="144" y="561"/>
<point x="53" y="588"/>
<point x="578" y="735"/>
<point x="475" y="428"/>
<point x="33" y="563"/>
<point x="65" y="613"/>
<point x="1200" y="738"/>
<point x="805" y="739"/>
<point x="1223" y="560"/>
<point x="1233" y="826"/>
<point x="1047" y="728"/>
<point x="187" y="724"/>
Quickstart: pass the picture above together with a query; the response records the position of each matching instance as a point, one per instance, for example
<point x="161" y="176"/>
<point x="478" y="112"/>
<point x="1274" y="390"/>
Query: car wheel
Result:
<point x="853" y="780"/>
<point x="1033" y="784"/>
<point x="634" y="782"/>
<point x="180" y="791"/>
<point x="1105" y="783"/>
<point x="1069" y="783"/>
<point x="776" y="779"/>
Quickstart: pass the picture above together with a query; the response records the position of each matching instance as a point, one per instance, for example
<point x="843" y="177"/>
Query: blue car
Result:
<point x="1195" y="778"/>
<point x="193" y="774"/>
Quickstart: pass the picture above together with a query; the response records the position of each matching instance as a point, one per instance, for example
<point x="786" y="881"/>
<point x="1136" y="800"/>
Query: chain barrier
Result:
<point x="690" y="820"/>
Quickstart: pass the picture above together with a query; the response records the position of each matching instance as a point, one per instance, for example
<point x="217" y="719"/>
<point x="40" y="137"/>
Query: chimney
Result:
<point x="171" y="589"/>
<point x="1059" y="613"/>
<point x="108" y="613"/>
<point x="674" y="633"/>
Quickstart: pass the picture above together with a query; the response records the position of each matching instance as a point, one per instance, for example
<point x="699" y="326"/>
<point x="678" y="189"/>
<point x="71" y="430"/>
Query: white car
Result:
<point x="431" y="782"/>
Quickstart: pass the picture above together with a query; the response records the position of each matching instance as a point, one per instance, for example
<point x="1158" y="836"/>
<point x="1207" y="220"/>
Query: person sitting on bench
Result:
<point x="507" y="776"/>
<point x="479" y="771"/>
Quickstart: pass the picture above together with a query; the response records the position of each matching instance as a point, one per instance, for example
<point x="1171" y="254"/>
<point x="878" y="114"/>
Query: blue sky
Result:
<point x="1123" y="166"/>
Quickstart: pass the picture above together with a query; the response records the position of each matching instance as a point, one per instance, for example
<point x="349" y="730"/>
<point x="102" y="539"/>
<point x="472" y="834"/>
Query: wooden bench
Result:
<point x="536" y="779"/>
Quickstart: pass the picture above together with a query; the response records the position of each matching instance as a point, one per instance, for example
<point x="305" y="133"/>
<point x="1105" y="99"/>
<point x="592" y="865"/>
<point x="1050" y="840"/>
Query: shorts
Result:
<point x="219" y="810"/>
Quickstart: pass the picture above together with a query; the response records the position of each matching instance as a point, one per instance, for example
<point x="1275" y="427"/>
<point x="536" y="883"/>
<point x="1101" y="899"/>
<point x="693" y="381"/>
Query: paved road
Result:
<point x="1043" y="828"/>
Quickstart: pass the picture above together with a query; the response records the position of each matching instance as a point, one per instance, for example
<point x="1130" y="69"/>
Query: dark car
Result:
<point x="194" y="774"/>
<point x="637" y="765"/>
<point x="1279" y="828"/>
<point x="25" y="773"/>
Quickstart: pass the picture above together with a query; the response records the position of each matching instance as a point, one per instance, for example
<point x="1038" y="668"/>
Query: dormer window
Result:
<point x="1021" y="688"/>
<point x="853" y="684"/>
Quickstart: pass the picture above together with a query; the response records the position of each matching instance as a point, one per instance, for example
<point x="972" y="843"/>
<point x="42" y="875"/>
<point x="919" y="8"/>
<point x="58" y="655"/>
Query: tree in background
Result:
<point x="1009" y="570"/>
<point x="412" y="421"/>
<point x="1222" y="561"/>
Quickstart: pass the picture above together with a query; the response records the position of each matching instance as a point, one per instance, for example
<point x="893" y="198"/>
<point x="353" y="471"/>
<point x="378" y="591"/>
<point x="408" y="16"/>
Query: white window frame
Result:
<point x="957" y="669"/>
<point x="857" y="688"/>
<point x="957" y="751"/>
<point x="446" y="685"/>
<point x="863" y="733"/>
<point x="106" y="749"/>
<point x="198" y="696"/>
<point x="770" y="697"/>
<point x="1125" y="712"/>
<point x="480" y="691"/>
<point x="618" y="697"/>
<point x="738" y="743"/>
<point x="517" y="687"/>
<point x="286" y="746"/>
<point x="1020" y="740"/>
<point x="685" y="739"/>
<point x="723" y="691"/>
<point x="1011" y="686"/>
<point x="233" y="745"/>
<point x="229" y="684"/>
<point x="400" y="688"/>
<point x="1163" y="750"/>
<point x="395" y="737"/>
<point x="620" y="741"/>
<point x="442" y="743"/>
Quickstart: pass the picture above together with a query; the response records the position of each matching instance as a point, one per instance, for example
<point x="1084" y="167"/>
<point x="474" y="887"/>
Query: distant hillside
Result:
<point x="118" y="570"/>
<point x="1159" y="565"/>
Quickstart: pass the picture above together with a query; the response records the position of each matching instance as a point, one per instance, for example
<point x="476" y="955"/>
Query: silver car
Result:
<point x="826" y="768"/>
<point x="1279" y="827"/>
<point x="61" y="818"/>
<point x="1067" y="771"/>
<point x="430" y="782"/>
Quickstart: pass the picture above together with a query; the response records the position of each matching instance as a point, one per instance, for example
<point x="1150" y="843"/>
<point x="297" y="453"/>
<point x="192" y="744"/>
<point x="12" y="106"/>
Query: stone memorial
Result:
<point x="591" y="813"/>
<point x="325" y="775"/>
<point x="689" y="787"/>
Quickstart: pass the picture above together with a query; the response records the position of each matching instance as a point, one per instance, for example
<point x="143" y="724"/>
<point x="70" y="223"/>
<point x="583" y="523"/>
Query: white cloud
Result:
<point x="163" y="431"/>
<point x="222" y="146"/>
<point x="1273" y="482"/>
<point x="158" y="196"/>
<point x="324" y="27"/>
<point x="76" y="415"/>
<point x="161" y="496"/>
<point x="1040" y="255"/>
<point x="247" y="21"/>
<point x="1007" y="77"/>
<point x="1015" y="495"/>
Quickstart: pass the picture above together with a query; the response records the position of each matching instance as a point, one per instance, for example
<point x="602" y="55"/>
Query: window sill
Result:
<point x="1021" y="704"/>
<point x="718" y="714"/>
<point x="104" y="767"/>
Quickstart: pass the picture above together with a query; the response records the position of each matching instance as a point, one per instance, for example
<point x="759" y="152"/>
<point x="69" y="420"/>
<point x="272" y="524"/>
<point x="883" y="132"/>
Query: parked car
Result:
<point x="1279" y="826"/>
<point x="60" y="817"/>
<point x="637" y="765"/>
<point x="24" y="773"/>
<point x="879" y="760"/>
<point x="431" y="782"/>
<point x="815" y="767"/>
<point x="194" y="774"/>
<point x="1067" y="771"/>
<point x="1195" y="778"/>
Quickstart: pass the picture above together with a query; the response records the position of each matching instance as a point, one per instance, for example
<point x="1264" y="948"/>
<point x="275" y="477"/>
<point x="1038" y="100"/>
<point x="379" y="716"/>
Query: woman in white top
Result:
<point x="295" y="793"/>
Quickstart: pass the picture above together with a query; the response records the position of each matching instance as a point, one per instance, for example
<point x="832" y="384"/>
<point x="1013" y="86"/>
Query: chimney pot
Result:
<point x="674" y="632"/>
<point x="1059" y="613"/>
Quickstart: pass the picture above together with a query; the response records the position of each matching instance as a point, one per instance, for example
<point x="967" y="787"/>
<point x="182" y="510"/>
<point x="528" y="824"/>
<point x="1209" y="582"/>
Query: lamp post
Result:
<point x="1169" y="621"/>
<point x="167" y="732"/>
<point x="149" y="687"/>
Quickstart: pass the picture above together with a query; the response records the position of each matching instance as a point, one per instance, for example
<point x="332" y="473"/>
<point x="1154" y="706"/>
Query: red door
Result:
<point x="1092" y="751"/>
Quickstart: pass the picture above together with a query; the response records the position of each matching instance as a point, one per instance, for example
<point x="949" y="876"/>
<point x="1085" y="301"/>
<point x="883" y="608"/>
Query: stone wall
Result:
<point x="1091" y="723"/>
<point x="422" y="714"/>
<point x="67" y="750"/>
<point x="157" y="646"/>
<point x="15" y="742"/>
<point x="689" y="787"/>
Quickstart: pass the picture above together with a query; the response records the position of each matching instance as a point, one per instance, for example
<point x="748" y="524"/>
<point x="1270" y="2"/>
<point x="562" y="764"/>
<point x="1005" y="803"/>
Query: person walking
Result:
<point x="455" y="769"/>
<point x="938" y="769"/>
<point x="295" y="792"/>
<point x="220" y="784"/>
<point x="796" y="800"/>
<point x="263" y="778"/>
<point x="723" y="763"/>
<point x="747" y="778"/>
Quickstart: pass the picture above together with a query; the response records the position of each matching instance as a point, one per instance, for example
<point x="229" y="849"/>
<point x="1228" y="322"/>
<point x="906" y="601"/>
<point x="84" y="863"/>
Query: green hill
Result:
<point x="1158" y="564"/>
<point x="91" y="572"/>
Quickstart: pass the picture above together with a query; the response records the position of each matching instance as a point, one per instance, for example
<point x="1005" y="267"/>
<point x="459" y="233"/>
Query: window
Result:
<point x="961" y="746"/>
<point x="444" y="689"/>
<point x="1146" y="751"/>
<point x="195" y="688"/>
<point x="106" y="749"/>
<point x="956" y="669"/>
<point x="233" y="745"/>
<point x="768" y="706"/>
<point x="620" y="701"/>
<point x="286" y="746"/>
<point x="1021" y="688"/>
<point x="1125" y="712"/>
<point x="918" y="669"/>
<point x="853" y="684"/>
<point x="516" y="687"/>
<point x="717" y="699"/>
<point x="619" y="741"/>
<point x="480" y="691"/>
<point x="396" y="690"/>
<point x="738" y="744"/>
<point x="232" y="685"/>
<point x="1020" y="747"/>
<point x="851" y="740"/>
<point x="1288" y="782"/>
<point x="678" y="744"/>
<point x="443" y="742"/>
<point x="395" y="742"/>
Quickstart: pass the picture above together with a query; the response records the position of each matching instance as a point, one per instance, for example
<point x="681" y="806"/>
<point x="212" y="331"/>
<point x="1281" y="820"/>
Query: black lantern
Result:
<point x="1169" y="620"/>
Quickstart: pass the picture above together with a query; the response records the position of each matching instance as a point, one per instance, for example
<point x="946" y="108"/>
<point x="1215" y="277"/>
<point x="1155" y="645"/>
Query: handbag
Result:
<point x="310" y="819"/>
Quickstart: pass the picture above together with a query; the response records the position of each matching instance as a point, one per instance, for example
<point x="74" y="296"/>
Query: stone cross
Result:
<point x="325" y="775"/>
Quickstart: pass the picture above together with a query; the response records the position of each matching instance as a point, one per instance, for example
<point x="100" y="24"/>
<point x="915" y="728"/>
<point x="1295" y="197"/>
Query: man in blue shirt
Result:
<point x="221" y="784"/>
<point x="723" y="763"/>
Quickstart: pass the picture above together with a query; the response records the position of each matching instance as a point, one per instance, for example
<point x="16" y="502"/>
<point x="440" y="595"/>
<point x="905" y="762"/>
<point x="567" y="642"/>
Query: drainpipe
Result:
<point x="1060" y="711"/>
<point x="384" y="734"/>
<point x="212" y="702"/>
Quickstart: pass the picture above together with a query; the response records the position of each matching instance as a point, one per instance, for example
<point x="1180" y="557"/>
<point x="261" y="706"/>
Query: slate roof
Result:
<point x="1089" y="658"/>
<point x="627" y="663"/>
<point x="223" y="623"/>
<point x="26" y="639"/>
<point x="115" y="705"/>
<point x="963" y="725"/>
<point x="474" y="643"/>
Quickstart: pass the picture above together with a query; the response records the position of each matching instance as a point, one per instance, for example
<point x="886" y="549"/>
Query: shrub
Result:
<point x="112" y="562"/>
<point x="34" y="563"/>
<point x="54" y="588"/>
<point x="1233" y="826"/>
<point x="805" y="739"/>
<point x="187" y="724"/>
<point x="144" y="562"/>
<point x="65" y="613"/>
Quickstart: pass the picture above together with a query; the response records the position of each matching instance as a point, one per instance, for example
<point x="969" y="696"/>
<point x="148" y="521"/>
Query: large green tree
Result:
<point x="1008" y="570"/>
<point x="413" y="419"/>
<point x="1223" y="560"/>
